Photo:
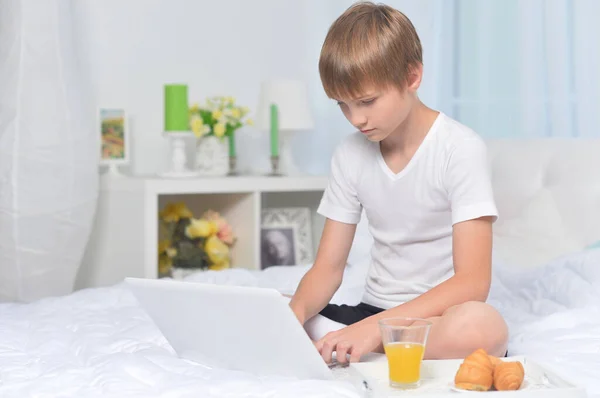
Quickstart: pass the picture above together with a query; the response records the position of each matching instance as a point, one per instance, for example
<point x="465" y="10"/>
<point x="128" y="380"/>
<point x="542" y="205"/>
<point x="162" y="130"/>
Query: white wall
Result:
<point x="131" y="48"/>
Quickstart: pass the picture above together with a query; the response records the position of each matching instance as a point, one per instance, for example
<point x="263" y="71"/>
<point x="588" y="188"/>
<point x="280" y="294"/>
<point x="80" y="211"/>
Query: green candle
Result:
<point x="176" y="107"/>
<point x="232" y="144"/>
<point x="274" y="131"/>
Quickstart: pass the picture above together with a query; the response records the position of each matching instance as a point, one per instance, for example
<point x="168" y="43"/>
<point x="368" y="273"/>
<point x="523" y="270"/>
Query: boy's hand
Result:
<point x="357" y="340"/>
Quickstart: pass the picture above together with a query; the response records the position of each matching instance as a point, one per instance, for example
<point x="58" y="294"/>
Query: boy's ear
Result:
<point x="415" y="74"/>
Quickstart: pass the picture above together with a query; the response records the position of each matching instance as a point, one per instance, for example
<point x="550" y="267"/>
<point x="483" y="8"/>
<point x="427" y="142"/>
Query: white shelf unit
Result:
<point x="124" y="239"/>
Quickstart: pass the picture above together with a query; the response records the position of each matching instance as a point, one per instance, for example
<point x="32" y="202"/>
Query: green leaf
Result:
<point x="206" y="117"/>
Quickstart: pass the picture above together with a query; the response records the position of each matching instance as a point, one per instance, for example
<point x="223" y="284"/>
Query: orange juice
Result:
<point x="404" y="361"/>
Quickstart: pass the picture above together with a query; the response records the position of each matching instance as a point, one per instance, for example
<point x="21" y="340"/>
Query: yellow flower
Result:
<point x="200" y="229"/>
<point x="244" y="110"/>
<point x="198" y="126"/>
<point x="249" y="122"/>
<point x="219" y="129"/>
<point x="165" y="261"/>
<point x="163" y="246"/>
<point x="217" y="114"/>
<point x="220" y="266"/>
<point x="230" y="100"/>
<point x="194" y="108"/>
<point x="217" y="251"/>
<point x="173" y="212"/>
<point x="236" y="113"/>
<point x="164" y="265"/>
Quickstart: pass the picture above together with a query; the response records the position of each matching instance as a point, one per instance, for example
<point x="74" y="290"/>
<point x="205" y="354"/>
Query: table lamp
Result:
<point x="283" y="109"/>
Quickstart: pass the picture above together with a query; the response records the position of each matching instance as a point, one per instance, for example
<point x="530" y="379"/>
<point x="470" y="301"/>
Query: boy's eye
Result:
<point x="368" y="101"/>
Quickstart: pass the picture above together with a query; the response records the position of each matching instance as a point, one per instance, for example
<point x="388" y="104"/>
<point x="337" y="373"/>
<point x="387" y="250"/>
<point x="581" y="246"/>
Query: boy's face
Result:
<point x="378" y="113"/>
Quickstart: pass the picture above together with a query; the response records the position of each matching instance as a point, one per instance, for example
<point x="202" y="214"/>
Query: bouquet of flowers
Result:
<point x="220" y="116"/>
<point x="193" y="243"/>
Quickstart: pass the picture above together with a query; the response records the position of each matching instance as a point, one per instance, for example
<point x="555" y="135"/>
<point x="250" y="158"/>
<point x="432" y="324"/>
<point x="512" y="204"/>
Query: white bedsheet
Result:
<point x="553" y="314"/>
<point x="98" y="342"/>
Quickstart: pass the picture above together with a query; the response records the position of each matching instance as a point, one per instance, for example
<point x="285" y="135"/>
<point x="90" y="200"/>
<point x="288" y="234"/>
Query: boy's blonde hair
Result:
<point x="369" y="45"/>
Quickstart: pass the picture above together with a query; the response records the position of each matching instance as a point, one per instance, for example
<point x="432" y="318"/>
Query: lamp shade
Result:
<point x="291" y="98"/>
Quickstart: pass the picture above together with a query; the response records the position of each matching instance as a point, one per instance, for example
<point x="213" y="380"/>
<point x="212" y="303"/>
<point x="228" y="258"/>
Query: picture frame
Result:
<point x="113" y="126"/>
<point x="286" y="237"/>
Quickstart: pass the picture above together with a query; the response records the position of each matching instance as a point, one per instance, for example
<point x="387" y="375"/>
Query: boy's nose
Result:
<point x="358" y="120"/>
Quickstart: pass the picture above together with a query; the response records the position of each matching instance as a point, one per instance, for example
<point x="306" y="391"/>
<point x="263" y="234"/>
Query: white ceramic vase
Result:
<point x="212" y="156"/>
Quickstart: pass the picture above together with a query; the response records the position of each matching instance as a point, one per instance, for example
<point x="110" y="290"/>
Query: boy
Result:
<point x="423" y="182"/>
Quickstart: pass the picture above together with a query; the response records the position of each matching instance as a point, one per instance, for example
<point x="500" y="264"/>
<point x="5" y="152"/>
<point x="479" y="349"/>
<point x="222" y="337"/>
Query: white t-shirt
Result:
<point x="410" y="213"/>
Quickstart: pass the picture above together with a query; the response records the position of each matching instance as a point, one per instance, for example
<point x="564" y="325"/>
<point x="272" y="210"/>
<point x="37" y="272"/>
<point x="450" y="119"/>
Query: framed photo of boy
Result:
<point x="114" y="135"/>
<point x="286" y="237"/>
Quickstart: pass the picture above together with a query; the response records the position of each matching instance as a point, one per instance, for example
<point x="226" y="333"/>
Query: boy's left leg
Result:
<point x="463" y="328"/>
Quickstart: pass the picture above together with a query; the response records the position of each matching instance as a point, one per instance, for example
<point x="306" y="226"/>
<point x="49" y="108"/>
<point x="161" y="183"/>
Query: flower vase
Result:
<point x="212" y="156"/>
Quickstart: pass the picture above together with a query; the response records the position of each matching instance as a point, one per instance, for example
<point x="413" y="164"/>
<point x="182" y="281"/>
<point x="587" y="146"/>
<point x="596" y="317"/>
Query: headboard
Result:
<point x="548" y="197"/>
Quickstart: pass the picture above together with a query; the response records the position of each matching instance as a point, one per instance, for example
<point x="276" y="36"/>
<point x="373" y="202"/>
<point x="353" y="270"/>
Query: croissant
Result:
<point x="476" y="372"/>
<point x="508" y="376"/>
<point x="495" y="360"/>
<point x="481" y="359"/>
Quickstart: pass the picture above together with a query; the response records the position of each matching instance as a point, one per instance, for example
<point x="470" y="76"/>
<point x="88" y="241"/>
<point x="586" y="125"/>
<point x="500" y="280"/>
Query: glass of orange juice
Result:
<point x="404" y="341"/>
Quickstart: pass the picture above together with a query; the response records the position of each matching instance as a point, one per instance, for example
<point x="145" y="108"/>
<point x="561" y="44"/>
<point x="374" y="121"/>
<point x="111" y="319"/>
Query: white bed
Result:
<point x="98" y="342"/>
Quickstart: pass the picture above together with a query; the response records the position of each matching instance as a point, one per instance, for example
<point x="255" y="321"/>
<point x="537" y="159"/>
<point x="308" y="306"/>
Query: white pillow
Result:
<point x="537" y="235"/>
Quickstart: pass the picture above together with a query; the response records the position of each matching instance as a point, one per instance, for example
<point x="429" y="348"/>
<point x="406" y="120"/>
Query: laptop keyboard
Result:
<point x="335" y="364"/>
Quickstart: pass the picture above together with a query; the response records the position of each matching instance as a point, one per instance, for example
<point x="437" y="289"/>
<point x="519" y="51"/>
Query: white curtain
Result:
<point x="527" y="68"/>
<point x="48" y="151"/>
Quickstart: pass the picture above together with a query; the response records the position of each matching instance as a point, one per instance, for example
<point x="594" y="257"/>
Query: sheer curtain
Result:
<point x="48" y="151"/>
<point x="527" y="68"/>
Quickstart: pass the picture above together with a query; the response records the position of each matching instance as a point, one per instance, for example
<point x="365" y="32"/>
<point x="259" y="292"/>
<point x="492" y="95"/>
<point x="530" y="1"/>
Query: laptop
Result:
<point x="240" y="328"/>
